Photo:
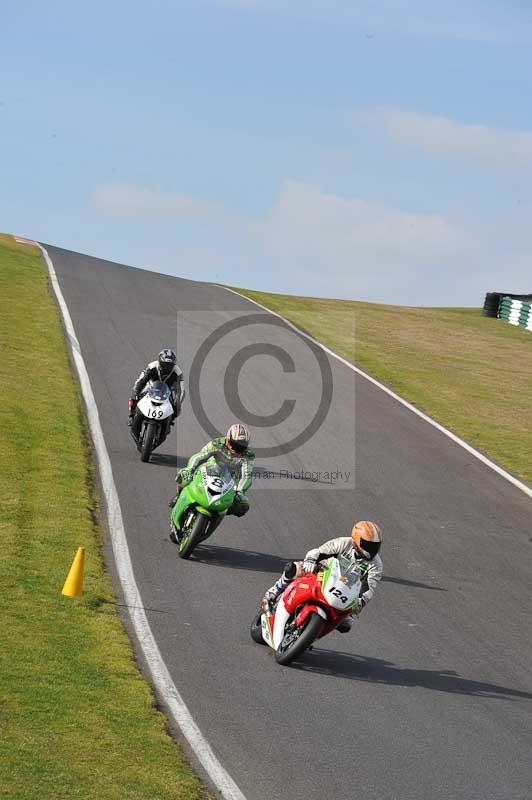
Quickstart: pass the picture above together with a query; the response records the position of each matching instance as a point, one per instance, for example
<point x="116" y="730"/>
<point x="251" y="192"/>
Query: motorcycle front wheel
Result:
<point x="191" y="537"/>
<point x="147" y="442"/>
<point x="256" y="629"/>
<point x="297" y="640"/>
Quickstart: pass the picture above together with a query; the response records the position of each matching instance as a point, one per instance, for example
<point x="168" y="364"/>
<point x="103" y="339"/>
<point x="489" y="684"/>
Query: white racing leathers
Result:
<point x="343" y="545"/>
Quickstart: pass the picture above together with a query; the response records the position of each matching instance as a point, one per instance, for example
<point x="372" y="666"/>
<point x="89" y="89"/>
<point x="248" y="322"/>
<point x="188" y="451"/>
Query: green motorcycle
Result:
<point x="203" y="503"/>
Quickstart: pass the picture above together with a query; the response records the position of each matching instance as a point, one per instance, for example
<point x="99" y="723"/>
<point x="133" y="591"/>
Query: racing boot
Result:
<point x="345" y="625"/>
<point x="132" y="404"/>
<point x="272" y="595"/>
<point x="173" y="533"/>
<point x="174" y="499"/>
<point x="292" y="570"/>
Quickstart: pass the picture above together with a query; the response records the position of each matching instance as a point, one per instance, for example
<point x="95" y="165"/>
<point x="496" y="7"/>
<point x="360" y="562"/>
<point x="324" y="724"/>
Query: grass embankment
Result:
<point x="470" y="373"/>
<point x="77" y="719"/>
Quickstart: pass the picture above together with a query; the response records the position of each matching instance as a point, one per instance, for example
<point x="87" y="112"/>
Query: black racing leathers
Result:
<point x="174" y="381"/>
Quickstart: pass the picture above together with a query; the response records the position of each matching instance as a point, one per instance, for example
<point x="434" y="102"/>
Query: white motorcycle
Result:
<point x="153" y="417"/>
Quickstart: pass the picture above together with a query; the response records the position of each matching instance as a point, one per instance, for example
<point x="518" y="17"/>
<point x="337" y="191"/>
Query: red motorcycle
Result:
<point x="308" y="609"/>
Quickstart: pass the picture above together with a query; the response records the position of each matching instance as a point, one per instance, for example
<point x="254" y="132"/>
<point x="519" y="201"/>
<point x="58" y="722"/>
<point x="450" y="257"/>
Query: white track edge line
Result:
<point x="499" y="470"/>
<point x="158" y="669"/>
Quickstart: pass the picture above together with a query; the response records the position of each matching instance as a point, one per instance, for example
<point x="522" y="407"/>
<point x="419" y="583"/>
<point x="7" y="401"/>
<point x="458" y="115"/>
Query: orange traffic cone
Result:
<point x="74" y="583"/>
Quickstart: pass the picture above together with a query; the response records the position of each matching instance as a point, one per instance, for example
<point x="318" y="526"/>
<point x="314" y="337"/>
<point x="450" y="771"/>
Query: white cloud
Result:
<point x="124" y="200"/>
<point x="317" y="243"/>
<point x="304" y="212"/>
<point x="322" y="244"/>
<point x="490" y="147"/>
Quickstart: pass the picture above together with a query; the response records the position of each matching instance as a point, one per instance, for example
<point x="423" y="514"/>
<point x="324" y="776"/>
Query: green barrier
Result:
<point x="516" y="312"/>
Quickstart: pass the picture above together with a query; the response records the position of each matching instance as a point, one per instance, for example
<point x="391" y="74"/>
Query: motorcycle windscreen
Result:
<point x="158" y="392"/>
<point x="220" y="473"/>
<point x="349" y="570"/>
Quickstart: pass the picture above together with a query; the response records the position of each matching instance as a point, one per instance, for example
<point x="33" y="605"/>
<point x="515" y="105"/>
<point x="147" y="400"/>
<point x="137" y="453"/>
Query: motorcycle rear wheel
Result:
<point x="310" y="632"/>
<point x="147" y="442"/>
<point x="196" y="535"/>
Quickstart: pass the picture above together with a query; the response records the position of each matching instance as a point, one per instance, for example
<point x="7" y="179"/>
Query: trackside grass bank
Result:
<point x="470" y="373"/>
<point x="77" y="719"/>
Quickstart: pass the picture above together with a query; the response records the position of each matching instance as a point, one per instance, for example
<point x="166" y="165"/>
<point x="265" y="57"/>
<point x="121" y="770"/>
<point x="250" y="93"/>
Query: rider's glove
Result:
<point x="309" y="564"/>
<point x="358" y="608"/>
<point x="132" y="403"/>
<point x="183" y="476"/>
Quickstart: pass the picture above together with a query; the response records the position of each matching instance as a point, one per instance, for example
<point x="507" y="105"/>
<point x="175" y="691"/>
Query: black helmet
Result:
<point x="237" y="438"/>
<point x="167" y="361"/>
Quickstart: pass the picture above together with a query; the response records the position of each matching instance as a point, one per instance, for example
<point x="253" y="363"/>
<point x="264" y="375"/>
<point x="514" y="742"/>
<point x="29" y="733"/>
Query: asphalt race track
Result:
<point x="430" y="696"/>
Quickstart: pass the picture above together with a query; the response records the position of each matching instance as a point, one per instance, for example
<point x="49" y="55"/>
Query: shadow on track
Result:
<point x="411" y="584"/>
<point x="375" y="670"/>
<point x="220" y="556"/>
<point x="217" y="556"/>
<point x="168" y="460"/>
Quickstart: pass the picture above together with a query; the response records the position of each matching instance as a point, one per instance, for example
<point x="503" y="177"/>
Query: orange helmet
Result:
<point x="367" y="539"/>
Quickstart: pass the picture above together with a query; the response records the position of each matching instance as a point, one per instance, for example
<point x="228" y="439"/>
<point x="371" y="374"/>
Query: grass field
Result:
<point x="77" y="719"/>
<point x="470" y="373"/>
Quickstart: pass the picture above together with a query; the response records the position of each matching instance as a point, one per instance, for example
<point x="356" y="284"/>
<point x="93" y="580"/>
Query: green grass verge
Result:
<point x="470" y="373"/>
<point x="77" y="719"/>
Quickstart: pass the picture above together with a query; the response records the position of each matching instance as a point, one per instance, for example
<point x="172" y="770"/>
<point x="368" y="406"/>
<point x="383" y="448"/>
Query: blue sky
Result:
<point x="371" y="150"/>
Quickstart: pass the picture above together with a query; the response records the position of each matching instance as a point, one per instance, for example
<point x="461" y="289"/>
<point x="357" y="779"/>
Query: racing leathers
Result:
<point x="242" y="463"/>
<point x="153" y="373"/>
<point x="342" y="545"/>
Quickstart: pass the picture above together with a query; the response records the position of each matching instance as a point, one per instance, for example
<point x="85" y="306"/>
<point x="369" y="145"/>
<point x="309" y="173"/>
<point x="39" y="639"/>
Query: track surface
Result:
<point x="431" y="694"/>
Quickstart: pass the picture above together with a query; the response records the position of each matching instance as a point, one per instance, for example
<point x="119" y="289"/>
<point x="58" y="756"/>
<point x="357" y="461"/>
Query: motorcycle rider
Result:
<point x="362" y="547"/>
<point x="164" y="369"/>
<point x="234" y="445"/>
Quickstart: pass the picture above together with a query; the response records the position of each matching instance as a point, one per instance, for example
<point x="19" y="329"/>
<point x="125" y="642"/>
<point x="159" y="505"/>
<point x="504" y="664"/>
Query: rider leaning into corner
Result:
<point x="362" y="547"/>
<point x="164" y="369"/>
<point x="235" y="445"/>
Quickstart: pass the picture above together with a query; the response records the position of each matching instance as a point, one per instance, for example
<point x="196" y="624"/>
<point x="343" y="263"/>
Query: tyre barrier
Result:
<point x="491" y="304"/>
<point x="516" y="312"/>
<point x="494" y="299"/>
